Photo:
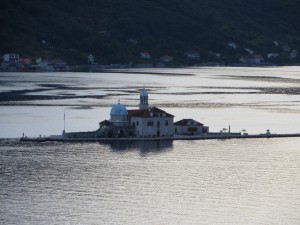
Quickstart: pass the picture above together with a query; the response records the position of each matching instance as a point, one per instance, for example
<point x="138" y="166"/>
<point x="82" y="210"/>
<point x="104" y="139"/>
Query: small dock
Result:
<point x="175" y="137"/>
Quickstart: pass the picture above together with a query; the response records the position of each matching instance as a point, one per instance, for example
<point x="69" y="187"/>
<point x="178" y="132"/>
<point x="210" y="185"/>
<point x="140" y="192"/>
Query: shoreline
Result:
<point x="174" y="138"/>
<point x="112" y="68"/>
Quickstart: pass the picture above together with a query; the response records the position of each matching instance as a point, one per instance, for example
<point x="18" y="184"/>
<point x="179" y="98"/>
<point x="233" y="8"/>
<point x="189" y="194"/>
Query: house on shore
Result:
<point x="145" y="55"/>
<point x="11" y="58"/>
<point x="192" y="55"/>
<point x="10" y="62"/>
<point x="255" y="59"/>
<point x="166" y="59"/>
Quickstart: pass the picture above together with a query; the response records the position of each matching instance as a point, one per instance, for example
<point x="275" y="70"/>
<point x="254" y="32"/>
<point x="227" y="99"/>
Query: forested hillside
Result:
<point x="117" y="31"/>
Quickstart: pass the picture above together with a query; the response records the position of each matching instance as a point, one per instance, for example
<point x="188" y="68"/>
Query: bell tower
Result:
<point x="143" y="100"/>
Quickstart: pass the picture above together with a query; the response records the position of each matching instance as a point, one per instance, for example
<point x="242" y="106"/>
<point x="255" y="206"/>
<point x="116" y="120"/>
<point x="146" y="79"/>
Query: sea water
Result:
<point x="251" y="181"/>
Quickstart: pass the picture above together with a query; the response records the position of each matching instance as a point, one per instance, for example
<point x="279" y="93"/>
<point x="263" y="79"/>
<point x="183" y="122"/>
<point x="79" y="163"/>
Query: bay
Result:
<point x="255" y="99"/>
<point x="181" y="182"/>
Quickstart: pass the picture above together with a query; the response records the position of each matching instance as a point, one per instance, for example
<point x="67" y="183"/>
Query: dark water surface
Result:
<point x="180" y="182"/>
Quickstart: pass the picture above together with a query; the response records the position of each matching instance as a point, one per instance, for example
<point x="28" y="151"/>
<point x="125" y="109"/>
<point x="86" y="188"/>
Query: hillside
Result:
<point x="117" y="31"/>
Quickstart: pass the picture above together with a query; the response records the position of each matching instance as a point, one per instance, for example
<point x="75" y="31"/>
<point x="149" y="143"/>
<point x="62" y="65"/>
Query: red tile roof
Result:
<point x="184" y="122"/>
<point x="138" y="113"/>
<point x="146" y="112"/>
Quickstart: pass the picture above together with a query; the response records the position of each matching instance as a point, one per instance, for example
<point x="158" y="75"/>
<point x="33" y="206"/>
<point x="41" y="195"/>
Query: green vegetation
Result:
<point x="71" y="30"/>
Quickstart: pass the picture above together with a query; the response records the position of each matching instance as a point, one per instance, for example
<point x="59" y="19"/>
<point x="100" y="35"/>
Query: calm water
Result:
<point x="180" y="182"/>
<point x="197" y="182"/>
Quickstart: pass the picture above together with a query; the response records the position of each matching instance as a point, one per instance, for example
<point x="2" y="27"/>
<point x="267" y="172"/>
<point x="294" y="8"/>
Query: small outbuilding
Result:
<point x="190" y="127"/>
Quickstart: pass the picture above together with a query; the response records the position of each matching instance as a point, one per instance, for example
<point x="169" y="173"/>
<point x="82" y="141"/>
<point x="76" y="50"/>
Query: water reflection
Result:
<point x="144" y="147"/>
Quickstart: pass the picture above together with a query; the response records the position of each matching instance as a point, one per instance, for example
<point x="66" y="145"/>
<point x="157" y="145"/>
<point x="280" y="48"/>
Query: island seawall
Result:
<point x="181" y="137"/>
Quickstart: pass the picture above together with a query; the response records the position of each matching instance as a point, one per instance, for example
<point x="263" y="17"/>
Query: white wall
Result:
<point x="144" y="130"/>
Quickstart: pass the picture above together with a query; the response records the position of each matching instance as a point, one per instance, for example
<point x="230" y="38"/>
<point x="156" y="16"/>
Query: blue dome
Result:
<point x="144" y="93"/>
<point x="118" y="109"/>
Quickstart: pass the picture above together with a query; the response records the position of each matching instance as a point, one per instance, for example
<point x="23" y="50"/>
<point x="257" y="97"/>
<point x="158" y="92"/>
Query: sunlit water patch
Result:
<point x="247" y="98"/>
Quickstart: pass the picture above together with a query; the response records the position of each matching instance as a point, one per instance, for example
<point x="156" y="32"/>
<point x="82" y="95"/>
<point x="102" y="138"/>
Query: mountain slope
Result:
<point x="73" y="29"/>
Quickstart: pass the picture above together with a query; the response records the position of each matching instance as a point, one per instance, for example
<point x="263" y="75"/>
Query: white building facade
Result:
<point x="150" y="121"/>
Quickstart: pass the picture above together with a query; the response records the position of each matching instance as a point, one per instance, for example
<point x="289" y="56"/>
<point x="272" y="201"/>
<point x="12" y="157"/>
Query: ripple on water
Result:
<point x="184" y="182"/>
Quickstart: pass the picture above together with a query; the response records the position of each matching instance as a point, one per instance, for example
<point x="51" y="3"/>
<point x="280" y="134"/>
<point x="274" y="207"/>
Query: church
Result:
<point x="146" y="121"/>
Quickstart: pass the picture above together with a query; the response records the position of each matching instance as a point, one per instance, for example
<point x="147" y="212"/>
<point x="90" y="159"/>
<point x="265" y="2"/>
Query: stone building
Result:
<point x="146" y="121"/>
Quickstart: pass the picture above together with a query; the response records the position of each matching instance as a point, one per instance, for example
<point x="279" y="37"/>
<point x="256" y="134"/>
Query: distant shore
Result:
<point x="98" y="68"/>
<point x="113" y="67"/>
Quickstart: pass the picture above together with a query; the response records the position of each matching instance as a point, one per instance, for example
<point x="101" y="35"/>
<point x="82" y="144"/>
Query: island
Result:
<point x="148" y="123"/>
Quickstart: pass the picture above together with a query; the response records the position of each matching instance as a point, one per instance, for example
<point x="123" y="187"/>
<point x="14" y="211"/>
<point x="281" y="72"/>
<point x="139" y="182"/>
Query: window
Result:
<point x="167" y="123"/>
<point x="137" y="123"/>
<point x="150" y="123"/>
<point x="133" y="124"/>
